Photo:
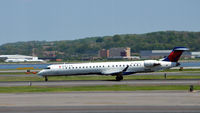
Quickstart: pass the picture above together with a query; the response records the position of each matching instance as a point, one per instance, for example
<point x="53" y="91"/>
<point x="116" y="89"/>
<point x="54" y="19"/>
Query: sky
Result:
<point x="53" y="20"/>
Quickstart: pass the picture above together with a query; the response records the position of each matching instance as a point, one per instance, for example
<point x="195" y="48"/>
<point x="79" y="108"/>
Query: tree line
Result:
<point x="88" y="47"/>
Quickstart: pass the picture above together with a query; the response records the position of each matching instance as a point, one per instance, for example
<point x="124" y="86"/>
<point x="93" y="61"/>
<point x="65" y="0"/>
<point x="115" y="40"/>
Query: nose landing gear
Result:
<point x="46" y="79"/>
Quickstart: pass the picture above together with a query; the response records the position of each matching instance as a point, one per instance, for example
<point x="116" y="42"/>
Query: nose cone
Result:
<point x="41" y="73"/>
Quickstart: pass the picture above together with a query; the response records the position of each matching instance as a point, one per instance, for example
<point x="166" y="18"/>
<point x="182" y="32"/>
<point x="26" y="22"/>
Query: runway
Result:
<point x="102" y="109"/>
<point x="101" y="102"/>
<point x="102" y="82"/>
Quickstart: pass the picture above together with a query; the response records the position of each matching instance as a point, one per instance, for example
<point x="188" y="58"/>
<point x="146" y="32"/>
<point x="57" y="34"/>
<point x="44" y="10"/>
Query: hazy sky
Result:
<point x="26" y="20"/>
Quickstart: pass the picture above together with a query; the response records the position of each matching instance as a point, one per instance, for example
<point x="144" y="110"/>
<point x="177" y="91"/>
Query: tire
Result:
<point x="46" y="79"/>
<point x="119" y="78"/>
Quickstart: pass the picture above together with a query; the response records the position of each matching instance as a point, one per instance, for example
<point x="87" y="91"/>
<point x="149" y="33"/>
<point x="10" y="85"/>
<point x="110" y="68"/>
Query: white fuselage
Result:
<point x="106" y="68"/>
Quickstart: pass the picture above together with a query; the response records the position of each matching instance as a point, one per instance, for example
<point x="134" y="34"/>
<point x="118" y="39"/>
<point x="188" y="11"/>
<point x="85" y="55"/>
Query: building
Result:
<point x="120" y="52"/>
<point x="195" y="54"/>
<point x="103" y="53"/>
<point x="156" y="54"/>
<point x="123" y="52"/>
<point x="20" y="58"/>
<point x="117" y="53"/>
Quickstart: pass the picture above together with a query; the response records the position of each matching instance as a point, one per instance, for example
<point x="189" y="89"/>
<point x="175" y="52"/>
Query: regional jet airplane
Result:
<point x="118" y="69"/>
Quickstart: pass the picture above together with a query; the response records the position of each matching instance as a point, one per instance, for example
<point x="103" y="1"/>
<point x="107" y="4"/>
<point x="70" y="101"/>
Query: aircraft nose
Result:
<point x="41" y="73"/>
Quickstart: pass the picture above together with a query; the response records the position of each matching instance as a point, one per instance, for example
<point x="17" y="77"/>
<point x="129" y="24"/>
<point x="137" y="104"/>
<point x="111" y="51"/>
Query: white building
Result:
<point x="195" y="54"/>
<point x="20" y="58"/>
<point x="157" y="54"/>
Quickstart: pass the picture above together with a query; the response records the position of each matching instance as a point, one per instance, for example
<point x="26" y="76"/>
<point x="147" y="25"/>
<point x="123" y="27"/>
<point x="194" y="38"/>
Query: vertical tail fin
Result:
<point x="175" y="54"/>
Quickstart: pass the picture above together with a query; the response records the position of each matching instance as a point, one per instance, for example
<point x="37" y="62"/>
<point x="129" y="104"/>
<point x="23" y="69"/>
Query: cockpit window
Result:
<point x="47" y="68"/>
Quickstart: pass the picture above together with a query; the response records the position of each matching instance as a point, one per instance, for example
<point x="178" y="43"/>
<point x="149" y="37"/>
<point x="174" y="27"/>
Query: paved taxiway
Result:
<point x="104" y="102"/>
<point x="101" y="82"/>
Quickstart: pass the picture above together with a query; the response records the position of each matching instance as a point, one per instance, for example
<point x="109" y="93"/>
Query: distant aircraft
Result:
<point x="20" y="58"/>
<point x="23" y="60"/>
<point x="118" y="69"/>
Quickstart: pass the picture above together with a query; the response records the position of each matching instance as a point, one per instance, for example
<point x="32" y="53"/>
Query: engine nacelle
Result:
<point x="151" y="63"/>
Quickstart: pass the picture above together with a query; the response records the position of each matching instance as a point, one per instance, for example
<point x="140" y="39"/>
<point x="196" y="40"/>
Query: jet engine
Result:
<point x="151" y="63"/>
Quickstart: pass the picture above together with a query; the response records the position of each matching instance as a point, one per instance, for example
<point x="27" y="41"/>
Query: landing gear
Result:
<point x="119" y="77"/>
<point x="46" y="79"/>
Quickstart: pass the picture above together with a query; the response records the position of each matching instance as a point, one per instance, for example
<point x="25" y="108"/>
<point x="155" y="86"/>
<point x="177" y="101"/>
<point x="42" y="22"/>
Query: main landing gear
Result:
<point x="119" y="77"/>
<point x="46" y="79"/>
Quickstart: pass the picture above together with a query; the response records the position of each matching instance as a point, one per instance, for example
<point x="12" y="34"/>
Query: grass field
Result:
<point x="25" y="89"/>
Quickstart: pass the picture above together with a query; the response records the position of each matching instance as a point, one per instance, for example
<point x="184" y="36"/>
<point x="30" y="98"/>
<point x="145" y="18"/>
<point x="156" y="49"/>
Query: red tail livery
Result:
<point x="175" y="54"/>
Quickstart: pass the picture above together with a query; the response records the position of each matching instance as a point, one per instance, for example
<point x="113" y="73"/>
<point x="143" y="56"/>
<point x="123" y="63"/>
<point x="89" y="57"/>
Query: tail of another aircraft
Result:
<point x="175" y="54"/>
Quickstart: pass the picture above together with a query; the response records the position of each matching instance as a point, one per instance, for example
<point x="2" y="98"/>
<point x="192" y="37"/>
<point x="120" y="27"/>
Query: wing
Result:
<point x="114" y="71"/>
